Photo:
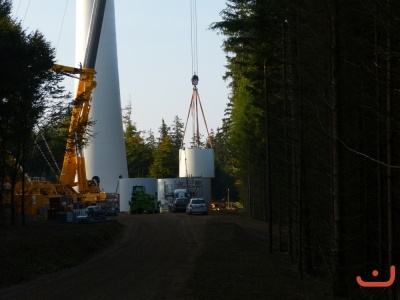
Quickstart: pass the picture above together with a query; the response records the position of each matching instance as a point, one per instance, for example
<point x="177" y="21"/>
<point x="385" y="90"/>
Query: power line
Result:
<point x="19" y="4"/>
<point x="62" y="24"/>
<point x="26" y="12"/>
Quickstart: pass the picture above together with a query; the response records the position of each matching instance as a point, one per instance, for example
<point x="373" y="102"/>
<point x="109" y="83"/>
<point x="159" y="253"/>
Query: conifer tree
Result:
<point x="30" y="99"/>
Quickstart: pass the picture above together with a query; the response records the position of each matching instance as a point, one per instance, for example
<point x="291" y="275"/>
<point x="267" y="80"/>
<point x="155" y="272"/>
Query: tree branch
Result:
<point x="366" y="156"/>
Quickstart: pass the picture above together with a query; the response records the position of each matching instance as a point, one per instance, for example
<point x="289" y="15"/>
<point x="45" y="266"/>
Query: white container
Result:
<point x="165" y="188"/>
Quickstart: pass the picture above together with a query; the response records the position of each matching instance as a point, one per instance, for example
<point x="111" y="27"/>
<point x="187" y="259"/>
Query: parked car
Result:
<point x="96" y="213"/>
<point x="95" y="210"/>
<point x="197" y="205"/>
<point x="179" y="204"/>
<point x="92" y="212"/>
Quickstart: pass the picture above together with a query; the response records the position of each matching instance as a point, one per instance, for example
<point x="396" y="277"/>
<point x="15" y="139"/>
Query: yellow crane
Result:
<point x="73" y="172"/>
<point x="74" y="161"/>
<point x="73" y="184"/>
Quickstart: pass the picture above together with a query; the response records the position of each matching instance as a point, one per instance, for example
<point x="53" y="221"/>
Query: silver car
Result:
<point x="197" y="205"/>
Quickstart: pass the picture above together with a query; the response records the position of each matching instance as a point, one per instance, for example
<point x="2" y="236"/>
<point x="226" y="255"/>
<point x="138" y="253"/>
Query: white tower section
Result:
<point x="196" y="162"/>
<point x="105" y="156"/>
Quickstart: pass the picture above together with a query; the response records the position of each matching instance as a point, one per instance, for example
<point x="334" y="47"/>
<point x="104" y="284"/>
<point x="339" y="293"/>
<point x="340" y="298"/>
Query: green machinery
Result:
<point x="142" y="202"/>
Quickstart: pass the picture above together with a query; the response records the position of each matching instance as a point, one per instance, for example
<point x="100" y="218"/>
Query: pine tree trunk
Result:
<point x="287" y="186"/>
<point x="3" y="190"/>
<point x="378" y="147"/>
<point x="339" y="288"/>
<point x="296" y="153"/>
<point x="248" y="190"/>
<point x="268" y="166"/>
<point x="301" y="180"/>
<point x="12" y="203"/>
<point x="389" y="142"/>
<point x="23" y="219"/>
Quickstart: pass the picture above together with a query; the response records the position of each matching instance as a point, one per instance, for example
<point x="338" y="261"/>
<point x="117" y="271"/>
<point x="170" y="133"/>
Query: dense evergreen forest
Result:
<point x="312" y="129"/>
<point x="308" y="143"/>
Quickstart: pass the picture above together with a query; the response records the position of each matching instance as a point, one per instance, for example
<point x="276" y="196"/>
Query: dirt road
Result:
<point x="151" y="261"/>
<point x="176" y="256"/>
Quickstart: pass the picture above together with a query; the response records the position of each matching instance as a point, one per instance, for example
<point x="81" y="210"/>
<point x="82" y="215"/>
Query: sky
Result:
<point x="154" y="55"/>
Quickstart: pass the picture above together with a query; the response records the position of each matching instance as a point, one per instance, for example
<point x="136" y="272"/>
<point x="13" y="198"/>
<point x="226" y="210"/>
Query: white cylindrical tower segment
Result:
<point x="196" y="162"/>
<point x="105" y="156"/>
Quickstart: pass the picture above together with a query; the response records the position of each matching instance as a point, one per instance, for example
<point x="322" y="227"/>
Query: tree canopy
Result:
<point x="31" y="98"/>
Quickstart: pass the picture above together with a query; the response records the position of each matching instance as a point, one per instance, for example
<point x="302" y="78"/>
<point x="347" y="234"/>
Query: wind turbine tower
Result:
<point x="105" y="156"/>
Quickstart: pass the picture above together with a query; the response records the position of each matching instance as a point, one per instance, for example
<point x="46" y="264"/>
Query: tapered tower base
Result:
<point x="105" y="156"/>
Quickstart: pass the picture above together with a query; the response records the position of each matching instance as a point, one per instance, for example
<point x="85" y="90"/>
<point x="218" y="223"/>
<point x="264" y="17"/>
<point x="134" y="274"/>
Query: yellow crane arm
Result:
<point x="74" y="161"/>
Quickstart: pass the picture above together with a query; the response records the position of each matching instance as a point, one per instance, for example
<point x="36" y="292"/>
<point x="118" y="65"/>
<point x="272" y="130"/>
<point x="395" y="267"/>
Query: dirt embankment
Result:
<point x="46" y="247"/>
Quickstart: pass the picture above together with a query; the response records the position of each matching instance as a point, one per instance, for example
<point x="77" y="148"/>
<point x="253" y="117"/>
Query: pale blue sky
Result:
<point x="154" y="54"/>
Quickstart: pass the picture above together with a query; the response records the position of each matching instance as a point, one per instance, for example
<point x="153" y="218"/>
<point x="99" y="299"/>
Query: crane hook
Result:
<point x="195" y="79"/>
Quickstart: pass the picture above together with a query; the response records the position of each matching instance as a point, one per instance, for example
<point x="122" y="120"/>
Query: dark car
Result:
<point x="179" y="204"/>
<point x="94" y="211"/>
